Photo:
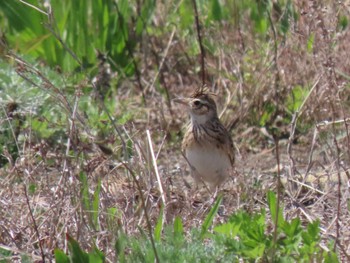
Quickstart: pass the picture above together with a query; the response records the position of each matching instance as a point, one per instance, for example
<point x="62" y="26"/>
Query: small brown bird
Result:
<point x="207" y="145"/>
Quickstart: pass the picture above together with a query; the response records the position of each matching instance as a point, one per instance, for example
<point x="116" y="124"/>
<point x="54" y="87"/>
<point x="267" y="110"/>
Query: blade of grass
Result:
<point x="84" y="191"/>
<point x="276" y="214"/>
<point x="159" y="226"/>
<point x="95" y="205"/>
<point x="178" y="227"/>
<point x="210" y="217"/>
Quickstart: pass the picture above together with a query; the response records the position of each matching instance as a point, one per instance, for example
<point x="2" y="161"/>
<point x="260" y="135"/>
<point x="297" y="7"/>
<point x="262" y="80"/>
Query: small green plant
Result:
<point x="77" y="255"/>
<point x="27" y="106"/>
<point x="244" y="237"/>
<point x="90" y="203"/>
<point x="5" y="255"/>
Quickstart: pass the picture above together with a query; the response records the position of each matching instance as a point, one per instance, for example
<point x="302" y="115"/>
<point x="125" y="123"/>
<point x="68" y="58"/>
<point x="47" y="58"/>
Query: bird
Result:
<point x="207" y="145"/>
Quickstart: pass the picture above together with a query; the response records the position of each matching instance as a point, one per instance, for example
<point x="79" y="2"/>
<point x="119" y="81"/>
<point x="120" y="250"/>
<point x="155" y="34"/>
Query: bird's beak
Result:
<point x="185" y="101"/>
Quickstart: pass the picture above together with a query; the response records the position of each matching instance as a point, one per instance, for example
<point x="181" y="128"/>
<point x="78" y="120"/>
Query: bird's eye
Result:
<point x="197" y="103"/>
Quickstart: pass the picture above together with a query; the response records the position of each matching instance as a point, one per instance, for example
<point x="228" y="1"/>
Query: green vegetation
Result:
<point x="242" y="237"/>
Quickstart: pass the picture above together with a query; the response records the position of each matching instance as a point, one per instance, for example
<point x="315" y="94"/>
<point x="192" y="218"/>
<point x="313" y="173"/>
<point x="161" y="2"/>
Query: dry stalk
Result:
<point x="34" y="7"/>
<point x="69" y="139"/>
<point x="339" y="195"/>
<point x="143" y="204"/>
<point x="34" y="224"/>
<point x="11" y="127"/>
<point x="160" y="68"/>
<point x="155" y="166"/>
<point x="199" y="35"/>
<point x="293" y="125"/>
<point x="279" y="188"/>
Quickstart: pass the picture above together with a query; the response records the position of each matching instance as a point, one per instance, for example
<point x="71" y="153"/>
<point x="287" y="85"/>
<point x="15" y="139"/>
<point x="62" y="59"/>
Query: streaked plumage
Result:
<point x="207" y="145"/>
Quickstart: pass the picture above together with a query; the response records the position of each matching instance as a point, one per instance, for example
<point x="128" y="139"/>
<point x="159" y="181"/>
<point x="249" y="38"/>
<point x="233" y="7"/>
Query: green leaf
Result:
<point x="95" y="204"/>
<point x="330" y="256"/>
<point x="159" y="226"/>
<point x="293" y="228"/>
<point x="60" y="256"/>
<point x="229" y="229"/>
<point x="84" y="189"/>
<point x="269" y="109"/>
<point x="255" y="251"/>
<point x="96" y="256"/>
<point x="32" y="188"/>
<point x="259" y="16"/>
<point x="310" y="43"/>
<point x="296" y="99"/>
<point x="178" y="238"/>
<point x="76" y="253"/>
<point x="286" y="16"/>
<point x="210" y="217"/>
<point x="311" y="236"/>
<point x="275" y="209"/>
<point x="186" y="15"/>
<point x="139" y="25"/>
<point x="216" y="13"/>
<point x="178" y="227"/>
<point x="5" y="253"/>
<point x="148" y="7"/>
<point x="343" y="22"/>
<point x="120" y="245"/>
<point x="127" y="116"/>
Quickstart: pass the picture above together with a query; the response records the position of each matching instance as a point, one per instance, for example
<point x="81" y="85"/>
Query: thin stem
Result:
<point x="198" y="28"/>
<point x="143" y="203"/>
<point x="279" y="186"/>
<point x="34" y="223"/>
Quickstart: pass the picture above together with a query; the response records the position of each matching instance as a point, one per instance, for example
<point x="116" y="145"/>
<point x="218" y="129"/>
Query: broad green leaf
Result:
<point x="293" y="228"/>
<point x="228" y="229"/>
<point x="256" y="251"/>
<point x="311" y="236"/>
<point x="77" y="255"/>
<point x="60" y="256"/>
<point x="296" y="99"/>
<point x="186" y="14"/>
<point x="96" y="256"/>
<point x="216" y="13"/>
<point x="330" y="256"/>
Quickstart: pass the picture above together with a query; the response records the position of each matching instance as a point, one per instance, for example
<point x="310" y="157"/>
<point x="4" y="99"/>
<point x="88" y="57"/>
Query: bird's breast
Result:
<point x="209" y="161"/>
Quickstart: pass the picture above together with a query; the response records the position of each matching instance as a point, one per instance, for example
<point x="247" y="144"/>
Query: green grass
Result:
<point x="243" y="237"/>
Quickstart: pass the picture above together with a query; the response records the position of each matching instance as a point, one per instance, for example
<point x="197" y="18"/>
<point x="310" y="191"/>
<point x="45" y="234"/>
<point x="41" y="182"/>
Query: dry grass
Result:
<point x="314" y="164"/>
